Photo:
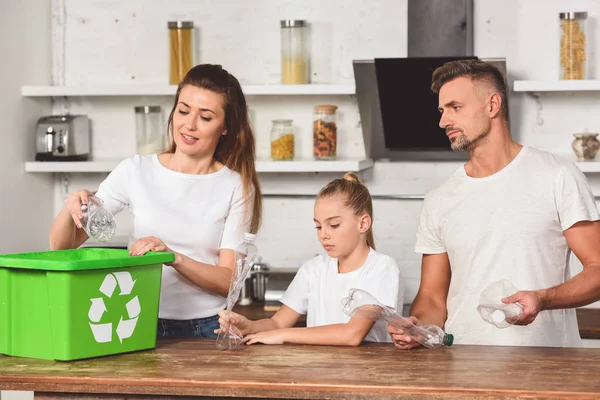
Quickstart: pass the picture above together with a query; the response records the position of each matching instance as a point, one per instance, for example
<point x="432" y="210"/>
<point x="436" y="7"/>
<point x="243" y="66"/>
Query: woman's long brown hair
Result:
<point x="236" y="150"/>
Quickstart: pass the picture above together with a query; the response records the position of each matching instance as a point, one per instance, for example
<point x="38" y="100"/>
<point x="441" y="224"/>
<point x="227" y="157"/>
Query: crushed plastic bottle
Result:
<point x="245" y="256"/>
<point x="493" y="310"/>
<point x="97" y="222"/>
<point x="361" y="304"/>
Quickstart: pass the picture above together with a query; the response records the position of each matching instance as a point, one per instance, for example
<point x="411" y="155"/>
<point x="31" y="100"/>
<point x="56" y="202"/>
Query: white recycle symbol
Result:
<point x="103" y="332"/>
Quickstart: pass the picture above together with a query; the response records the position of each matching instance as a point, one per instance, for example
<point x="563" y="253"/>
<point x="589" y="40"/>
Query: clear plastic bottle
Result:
<point x="98" y="222"/>
<point x="362" y="304"/>
<point x="245" y="256"/>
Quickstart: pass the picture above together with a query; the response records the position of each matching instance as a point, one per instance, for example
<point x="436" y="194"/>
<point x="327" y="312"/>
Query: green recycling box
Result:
<point x="82" y="303"/>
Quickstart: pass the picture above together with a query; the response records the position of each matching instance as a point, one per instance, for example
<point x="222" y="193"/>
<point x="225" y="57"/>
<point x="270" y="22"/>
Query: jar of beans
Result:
<point x="324" y="132"/>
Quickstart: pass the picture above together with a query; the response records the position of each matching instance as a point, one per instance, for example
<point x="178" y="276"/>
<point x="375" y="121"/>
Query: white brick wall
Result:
<point x="133" y="45"/>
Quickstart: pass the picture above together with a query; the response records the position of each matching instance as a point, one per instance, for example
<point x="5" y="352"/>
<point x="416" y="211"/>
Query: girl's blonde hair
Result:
<point x="357" y="197"/>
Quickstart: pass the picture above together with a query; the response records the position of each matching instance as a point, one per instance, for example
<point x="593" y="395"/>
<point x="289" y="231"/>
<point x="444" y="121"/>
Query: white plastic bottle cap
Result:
<point x="249" y="237"/>
<point x="498" y="316"/>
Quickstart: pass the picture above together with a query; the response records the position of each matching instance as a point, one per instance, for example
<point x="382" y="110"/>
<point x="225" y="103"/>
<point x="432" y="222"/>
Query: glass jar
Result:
<point x="294" y="55"/>
<point x="150" y="132"/>
<point x="181" y="49"/>
<point x="324" y="132"/>
<point x="282" y="140"/>
<point x="573" y="45"/>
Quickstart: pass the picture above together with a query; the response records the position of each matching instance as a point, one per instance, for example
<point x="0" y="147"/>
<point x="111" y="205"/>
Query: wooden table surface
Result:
<point x="194" y="367"/>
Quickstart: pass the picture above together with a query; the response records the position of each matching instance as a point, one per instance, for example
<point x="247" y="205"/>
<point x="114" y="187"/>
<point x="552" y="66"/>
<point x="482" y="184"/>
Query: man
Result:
<point x="511" y="212"/>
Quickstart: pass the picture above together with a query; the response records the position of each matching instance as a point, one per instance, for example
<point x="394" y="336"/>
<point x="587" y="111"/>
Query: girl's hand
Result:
<point x="229" y="317"/>
<point x="73" y="205"/>
<point x="267" y="337"/>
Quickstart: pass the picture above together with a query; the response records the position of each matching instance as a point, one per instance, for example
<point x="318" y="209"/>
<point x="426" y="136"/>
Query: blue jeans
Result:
<point x="200" y="327"/>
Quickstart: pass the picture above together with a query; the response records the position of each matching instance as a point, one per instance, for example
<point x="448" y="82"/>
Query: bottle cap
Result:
<point x="249" y="237"/>
<point x="449" y="339"/>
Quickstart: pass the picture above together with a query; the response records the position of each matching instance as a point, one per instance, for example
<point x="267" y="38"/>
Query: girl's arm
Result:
<point x="351" y="333"/>
<point x="285" y="317"/>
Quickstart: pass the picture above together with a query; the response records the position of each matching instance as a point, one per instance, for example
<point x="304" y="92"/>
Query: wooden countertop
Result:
<point x="194" y="367"/>
<point x="588" y="319"/>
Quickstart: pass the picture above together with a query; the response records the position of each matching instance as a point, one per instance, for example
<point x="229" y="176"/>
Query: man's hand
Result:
<point x="532" y="302"/>
<point x="400" y="340"/>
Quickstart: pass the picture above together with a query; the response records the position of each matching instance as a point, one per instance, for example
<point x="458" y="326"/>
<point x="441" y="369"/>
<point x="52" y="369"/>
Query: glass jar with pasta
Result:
<point x="324" y="132"/>
<point x="181" y="49"/>
<point x="282" y="140"/>
<point x="573" y="45"/>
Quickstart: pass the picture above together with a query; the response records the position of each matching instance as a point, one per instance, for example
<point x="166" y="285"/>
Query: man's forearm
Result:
<point x="582" y="289"/>
<point x="429" y="312"/>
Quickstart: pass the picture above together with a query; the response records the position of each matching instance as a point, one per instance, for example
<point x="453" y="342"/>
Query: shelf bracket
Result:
<point x="540" y="108"/>
<point x="66" y="181"/>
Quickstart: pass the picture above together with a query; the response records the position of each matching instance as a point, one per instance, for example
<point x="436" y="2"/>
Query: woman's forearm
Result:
<point x="64" y="234"/>
<point x="211" y="278"/>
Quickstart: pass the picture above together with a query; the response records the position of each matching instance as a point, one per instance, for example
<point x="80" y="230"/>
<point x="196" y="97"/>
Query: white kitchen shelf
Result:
<point x="557" y="86"/>
<point x="261" y="166"/>
<point x="169" y="90"/>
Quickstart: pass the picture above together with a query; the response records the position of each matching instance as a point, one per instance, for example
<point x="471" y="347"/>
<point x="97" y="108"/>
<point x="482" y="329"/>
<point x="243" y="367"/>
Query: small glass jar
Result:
<point x="181" y="49"/>
<point x="573" y="45"/>
<point x="294" y="54"/>
<point x="150" y="132"/>
<point x="282" y="140"/>
<point x="324" y="132"/>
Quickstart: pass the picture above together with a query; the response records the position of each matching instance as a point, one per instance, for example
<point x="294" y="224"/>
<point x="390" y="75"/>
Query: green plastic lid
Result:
<point x="449" y="339"/>
<point x="82" y="259"/>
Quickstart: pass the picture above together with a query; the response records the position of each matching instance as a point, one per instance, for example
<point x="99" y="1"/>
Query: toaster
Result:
<point x="63" y="138"/>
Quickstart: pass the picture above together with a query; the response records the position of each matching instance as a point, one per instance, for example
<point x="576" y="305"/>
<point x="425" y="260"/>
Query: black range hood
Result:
<point x="398" y="111"/>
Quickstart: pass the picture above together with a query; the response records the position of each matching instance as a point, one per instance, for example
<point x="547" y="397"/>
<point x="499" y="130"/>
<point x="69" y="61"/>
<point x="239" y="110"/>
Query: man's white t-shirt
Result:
<point x="507" y="226"/>
<point x="195" y="215"/>
<point x="318" y="288"/>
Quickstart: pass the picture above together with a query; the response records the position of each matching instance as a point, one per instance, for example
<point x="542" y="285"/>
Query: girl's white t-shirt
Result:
<point x="195" y="215"/>
<point x="318" y="288"/>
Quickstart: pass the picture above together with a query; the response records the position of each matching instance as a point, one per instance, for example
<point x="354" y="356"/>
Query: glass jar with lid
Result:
<point x="181" y="49"/>
<point x="325" y="132"/>
<point x="150" y="132"/>
<point x="294" y="54"/>
<point x="282" y="140"/>
<point x="573" y="45"/>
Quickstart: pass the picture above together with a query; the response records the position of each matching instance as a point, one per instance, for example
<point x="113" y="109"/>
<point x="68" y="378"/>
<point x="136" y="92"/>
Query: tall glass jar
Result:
<point x="282" y="140"/>
<point x="294" y="54"/>
<point x="573" y="45"/>
<point x="181" y="49"/>
<point x="150" y="132"/>
<point x="324" y="132"/>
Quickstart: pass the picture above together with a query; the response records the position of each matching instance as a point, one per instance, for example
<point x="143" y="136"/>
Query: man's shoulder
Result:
<point x="547" y="160"/>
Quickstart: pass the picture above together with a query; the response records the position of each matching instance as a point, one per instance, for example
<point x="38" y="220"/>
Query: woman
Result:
<point x="195" y="200"/>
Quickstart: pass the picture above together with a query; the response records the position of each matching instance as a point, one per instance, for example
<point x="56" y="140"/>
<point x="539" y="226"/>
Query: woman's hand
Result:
<point x="227" y="318"/>
<point x="268" y="337"/>
<point x="73" y="205"/>
<point x="151" y="243"/>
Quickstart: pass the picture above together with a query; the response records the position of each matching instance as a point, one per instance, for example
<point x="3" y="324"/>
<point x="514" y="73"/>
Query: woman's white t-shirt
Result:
<point x="318" y="289"/>
<point x="195" y="215"/>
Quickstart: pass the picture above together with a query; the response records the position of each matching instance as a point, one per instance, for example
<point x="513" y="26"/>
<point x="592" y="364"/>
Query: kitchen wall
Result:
<point x="26" y="206"/>
<point x="114" y="42"/>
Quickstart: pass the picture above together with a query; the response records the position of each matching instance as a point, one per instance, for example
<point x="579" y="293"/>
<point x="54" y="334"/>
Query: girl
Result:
<point x="343" y="217"/>
<point x="196" y="200"/>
